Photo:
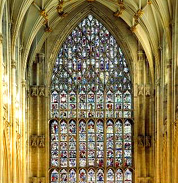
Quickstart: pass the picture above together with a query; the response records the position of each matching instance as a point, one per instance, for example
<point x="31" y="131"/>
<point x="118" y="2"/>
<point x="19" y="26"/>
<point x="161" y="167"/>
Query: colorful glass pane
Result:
<point x="110" y="143"/>
<point x="127" y="143"/>
<point x="82" y="143"/>
<point x="63" y="176"/>
<point x="119" y="176"/>
<point x="91" y="176"/>
<point x="110" y="176"/>
<point x="54" y="176"/>
<point x="128" y="176"/>
<point x="54" y="143"/>
<point x="100" y="176"/>
<point x="118" y="143"/>
<point x="72" y="176"/>
<point x="82" y="176"/>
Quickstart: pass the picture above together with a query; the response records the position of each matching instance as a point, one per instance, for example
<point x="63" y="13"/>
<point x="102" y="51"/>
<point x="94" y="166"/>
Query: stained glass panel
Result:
<point x="110" y="176"/>
<point x="54" y="176"/>
<point x="54" y="143"/>
<point x="90" y="65"/>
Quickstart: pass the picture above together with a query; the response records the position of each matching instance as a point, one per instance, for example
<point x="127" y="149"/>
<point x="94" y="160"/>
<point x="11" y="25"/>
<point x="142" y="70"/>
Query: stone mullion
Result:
<point x="1" y="111"/>
<point x="13" y="121"/>
<point x="169" y="122"/>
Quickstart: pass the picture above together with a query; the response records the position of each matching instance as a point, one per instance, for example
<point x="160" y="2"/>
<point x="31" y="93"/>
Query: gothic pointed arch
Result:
<point x="91" y="108"/>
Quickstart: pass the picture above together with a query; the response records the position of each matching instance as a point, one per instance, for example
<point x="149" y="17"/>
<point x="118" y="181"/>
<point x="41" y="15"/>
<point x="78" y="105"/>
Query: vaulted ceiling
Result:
<point x="35" y="20"/>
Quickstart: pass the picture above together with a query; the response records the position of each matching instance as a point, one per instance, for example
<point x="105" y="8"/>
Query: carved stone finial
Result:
<point x="33" y="140"/>
<point x="141" y="141"/>
<point x="41" y="141"/>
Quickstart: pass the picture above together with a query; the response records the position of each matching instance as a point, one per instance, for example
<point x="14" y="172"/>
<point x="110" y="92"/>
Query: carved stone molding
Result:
<point x="34" y="91"/>
<point x="1" y="38"/>
<point x="41" y="180"/>
<point x="13" y="64"/>
<point x="141" y="55"/>
<point x="41" y="91"/>
<point x="33" y="141"/>
<point x="40" y="57"/>
<point x="147" y="90"/>
<point x="140" y="90"/>
<point x="37" y="141"/>
<point x="141" y="141"/>
<point x="148" y="141"/>
<point x="38" y="91"/>
<point x="41" y="141"/>
<point x="24" y="83"/>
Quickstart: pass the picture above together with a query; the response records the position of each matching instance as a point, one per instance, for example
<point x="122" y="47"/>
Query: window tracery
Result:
<point x="91" y="107"/>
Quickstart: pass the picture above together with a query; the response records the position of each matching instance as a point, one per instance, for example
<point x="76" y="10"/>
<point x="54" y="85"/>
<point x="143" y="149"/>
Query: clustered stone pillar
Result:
<point x="23" y="133"/>
<point x="142" y="134"/>
<point x="158" y="132"/>
<point x="169" y="122"/>
<point x="1" y="111"/>
<point x="38" y="127"/>
<point x="13" y="121"/>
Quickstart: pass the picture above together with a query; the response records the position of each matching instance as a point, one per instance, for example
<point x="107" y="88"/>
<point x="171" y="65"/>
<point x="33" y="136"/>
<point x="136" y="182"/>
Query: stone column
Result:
<point x="1" y="110"/>
<point x="23" y="133"/>
<point x="13" y="121"/>
<point x="169" y="122"/>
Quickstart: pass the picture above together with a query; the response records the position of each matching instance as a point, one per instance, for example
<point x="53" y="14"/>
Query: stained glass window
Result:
<point x="91" y="109"/>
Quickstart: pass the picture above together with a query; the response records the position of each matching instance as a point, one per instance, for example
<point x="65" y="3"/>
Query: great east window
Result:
<point x="91" y="109"/>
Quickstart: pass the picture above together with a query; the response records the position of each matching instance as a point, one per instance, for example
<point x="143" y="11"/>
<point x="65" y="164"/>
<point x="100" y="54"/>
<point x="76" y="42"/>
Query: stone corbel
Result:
<point x="141" y="141"/>
<point x="34" y="91"/>
<point x="34" y="141"/>
<point x="41" y="141"/>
